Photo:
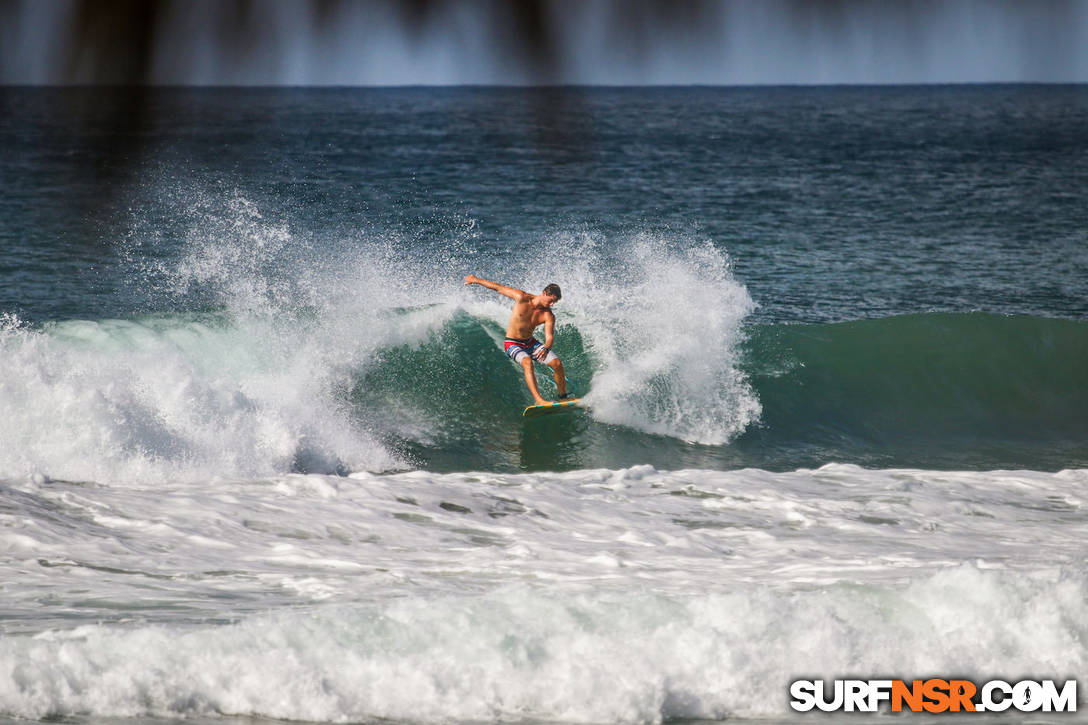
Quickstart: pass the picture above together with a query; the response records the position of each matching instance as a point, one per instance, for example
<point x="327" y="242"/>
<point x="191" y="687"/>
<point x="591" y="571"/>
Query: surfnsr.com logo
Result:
<point x="933" y="695"/>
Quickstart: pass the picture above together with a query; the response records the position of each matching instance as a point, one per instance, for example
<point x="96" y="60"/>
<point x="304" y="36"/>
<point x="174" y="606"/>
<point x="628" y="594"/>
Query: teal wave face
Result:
<point x="455" y="401"/>
<point x="938" y="390"/>
<point x="996" y="391"/>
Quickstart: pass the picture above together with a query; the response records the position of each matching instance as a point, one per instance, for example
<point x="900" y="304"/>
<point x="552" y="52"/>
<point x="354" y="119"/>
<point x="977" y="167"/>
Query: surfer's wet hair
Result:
<point x="553" y="290"/>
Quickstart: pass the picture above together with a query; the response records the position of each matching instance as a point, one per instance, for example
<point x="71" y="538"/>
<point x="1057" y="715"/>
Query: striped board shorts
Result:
<point x="517" y="350"/>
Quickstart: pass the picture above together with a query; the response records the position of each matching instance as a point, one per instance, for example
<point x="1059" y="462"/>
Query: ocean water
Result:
<point x="262" y="457"/>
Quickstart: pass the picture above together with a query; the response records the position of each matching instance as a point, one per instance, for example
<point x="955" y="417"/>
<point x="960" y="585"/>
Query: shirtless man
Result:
<point x="531" y="311"/>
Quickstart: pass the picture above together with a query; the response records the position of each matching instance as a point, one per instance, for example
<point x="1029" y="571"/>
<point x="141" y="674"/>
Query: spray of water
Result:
<point x="663" y="320"/>
<point x="249" y="382"/>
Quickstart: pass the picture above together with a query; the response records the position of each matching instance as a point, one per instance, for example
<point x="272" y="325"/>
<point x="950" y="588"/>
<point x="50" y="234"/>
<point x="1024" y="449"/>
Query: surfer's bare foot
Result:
<point x="541" y="401"/>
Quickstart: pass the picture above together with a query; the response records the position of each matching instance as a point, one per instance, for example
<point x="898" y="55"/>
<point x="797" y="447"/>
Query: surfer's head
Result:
<point x="553" y="292"/>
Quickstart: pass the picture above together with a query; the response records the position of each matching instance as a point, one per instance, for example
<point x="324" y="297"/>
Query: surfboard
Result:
<point x="567" y="405"/>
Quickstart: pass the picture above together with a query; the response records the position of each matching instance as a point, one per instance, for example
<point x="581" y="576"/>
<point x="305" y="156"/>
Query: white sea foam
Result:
<point x="118" y="401"/>
<point x="520" y="653"/>
<point x="628" y="595"/>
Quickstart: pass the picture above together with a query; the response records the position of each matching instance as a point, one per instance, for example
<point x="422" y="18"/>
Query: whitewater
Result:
<point x="633" y="595"/>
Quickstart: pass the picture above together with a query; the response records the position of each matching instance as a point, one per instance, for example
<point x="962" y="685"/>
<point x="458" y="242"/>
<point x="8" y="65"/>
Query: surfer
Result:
<point x="531" y="311"/>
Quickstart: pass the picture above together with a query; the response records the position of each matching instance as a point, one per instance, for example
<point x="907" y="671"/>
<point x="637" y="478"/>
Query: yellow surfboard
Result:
<point x="534" y="411"/>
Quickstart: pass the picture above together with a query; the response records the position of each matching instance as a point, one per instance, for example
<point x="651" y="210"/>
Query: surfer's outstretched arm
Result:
<point x="512" y="293"/>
